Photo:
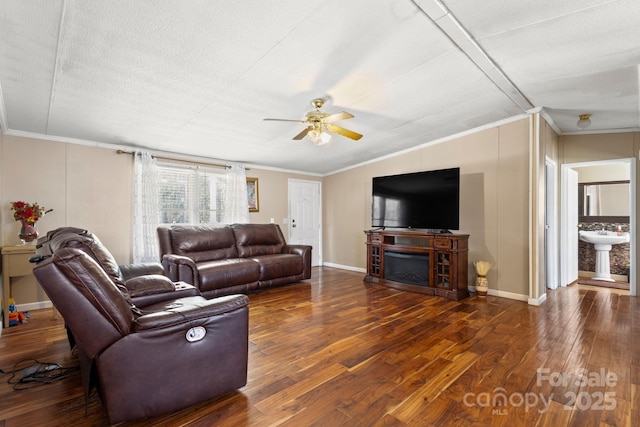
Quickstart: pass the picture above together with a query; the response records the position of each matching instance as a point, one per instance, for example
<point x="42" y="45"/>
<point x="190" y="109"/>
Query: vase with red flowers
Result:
<point x="28" y="214"/>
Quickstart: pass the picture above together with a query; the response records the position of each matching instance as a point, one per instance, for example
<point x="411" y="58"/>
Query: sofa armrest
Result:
<point x="130" y="271"/>
<point x="186" y="310"/>
<point x="305" y="252"/>
<point x="180" y="268"/>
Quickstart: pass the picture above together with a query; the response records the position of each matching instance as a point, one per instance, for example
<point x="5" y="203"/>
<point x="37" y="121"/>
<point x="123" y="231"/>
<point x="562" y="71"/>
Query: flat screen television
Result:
<point x="425" y="200"/>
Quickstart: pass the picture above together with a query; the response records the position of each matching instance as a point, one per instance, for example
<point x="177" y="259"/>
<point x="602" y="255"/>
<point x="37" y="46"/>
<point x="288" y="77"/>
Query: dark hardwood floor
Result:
<point x="334" y="351"/>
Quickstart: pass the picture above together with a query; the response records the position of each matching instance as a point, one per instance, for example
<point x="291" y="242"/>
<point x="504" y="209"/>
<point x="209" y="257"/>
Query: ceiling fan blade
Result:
<point x="344" y="132"/>
<point x="302" y="134"/>
<point x="343" y="115"/>
<point x="283" y="120"/>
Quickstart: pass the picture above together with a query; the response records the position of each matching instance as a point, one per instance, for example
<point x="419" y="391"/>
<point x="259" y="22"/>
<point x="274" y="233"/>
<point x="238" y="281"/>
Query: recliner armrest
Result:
<point x="147" y="290"/>
<point x="185" y="310"/>
<point x="130" y="271"/>
<point x="150" y="284"/>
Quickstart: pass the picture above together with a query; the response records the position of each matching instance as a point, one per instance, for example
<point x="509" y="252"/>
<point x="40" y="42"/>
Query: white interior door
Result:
<point x="304" y="216"/>
<point x="551" y="229"/>
<point x="569" y="252"/>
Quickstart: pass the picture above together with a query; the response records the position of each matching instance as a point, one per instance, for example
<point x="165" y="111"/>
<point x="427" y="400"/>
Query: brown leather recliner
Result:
<point x="169" y="356"/>
<point x="136" y="281"/>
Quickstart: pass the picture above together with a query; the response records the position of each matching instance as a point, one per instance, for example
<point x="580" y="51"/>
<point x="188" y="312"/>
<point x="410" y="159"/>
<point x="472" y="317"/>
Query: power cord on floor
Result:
<point x="29" y="373"/>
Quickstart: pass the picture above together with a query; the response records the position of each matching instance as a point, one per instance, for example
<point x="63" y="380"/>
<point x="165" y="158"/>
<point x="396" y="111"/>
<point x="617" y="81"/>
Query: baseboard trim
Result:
<point x="493" y="292"/>
<point x="509" y="295"/>
<point x="503" y="294"/>
<point x="344" y="267"/>
<point x="34" y="305"/>
<point x="538" y="301"/>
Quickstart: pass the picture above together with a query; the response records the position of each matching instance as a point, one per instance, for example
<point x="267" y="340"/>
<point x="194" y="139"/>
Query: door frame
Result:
<point x="319" y="185"/>
<point x="552" y="275"/>
<point x="632" y="217"/>
<point x="568" y="232"/>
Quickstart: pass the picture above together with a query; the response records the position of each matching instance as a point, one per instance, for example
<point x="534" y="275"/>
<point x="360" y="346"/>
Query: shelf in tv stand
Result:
<point x="406" y="248"/>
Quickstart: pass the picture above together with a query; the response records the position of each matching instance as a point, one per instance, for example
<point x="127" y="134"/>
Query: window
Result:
<point x="191" y="195"/>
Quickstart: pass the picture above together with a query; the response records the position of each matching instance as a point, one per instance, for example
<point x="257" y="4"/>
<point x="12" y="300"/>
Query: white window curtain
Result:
<point x="146" y="214"/>
<point x="235" y="203"/>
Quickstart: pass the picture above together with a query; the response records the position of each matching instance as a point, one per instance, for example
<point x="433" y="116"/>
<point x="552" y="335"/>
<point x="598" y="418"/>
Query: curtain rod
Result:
<point x="218" y="165"/>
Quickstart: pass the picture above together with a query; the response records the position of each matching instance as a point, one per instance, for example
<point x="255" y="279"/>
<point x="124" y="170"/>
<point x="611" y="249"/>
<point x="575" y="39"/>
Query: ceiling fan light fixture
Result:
<point x="584" y="121"/>
<point x="320" y="125"/>
<point x="313" y="135"/>
<point x="319" y="137"/>
<point x="325" y="137"/>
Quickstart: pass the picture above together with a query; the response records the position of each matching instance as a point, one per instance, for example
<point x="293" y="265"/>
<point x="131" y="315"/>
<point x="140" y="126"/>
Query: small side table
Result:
<point x="15" y="263"/>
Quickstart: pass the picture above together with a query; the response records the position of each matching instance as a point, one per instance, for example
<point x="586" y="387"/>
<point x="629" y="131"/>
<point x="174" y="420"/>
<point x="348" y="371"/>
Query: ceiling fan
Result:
<point x="319" y="123"/>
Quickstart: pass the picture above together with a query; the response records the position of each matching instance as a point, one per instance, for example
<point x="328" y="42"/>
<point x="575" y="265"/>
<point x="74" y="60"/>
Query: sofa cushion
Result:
<point x="258" y="239"/>
<point x="202" y="243"/>
<point x="227" y="272"/>
<point x="280" y="265"/>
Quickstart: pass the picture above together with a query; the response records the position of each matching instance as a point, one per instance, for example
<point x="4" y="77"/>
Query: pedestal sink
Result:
<point x="602" y="242"/>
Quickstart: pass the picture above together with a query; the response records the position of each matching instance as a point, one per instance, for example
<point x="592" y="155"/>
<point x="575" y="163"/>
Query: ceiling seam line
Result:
<point x="4" y="122"/>
<point x="461" y="38"/>
<point x="63" y="14"/>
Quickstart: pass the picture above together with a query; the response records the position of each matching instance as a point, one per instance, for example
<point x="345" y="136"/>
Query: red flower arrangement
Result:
<point x="28" y="212"/>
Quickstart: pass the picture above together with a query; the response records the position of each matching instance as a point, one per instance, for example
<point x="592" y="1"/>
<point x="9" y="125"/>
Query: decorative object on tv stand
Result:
<point x="28" y="214"/>
<point x="482" y="284"/>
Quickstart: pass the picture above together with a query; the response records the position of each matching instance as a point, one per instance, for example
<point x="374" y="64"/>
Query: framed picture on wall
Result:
<point x="252" y="194"/>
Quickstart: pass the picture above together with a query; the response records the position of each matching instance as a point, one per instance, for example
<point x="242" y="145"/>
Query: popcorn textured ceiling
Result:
<point x="198" y="77"/>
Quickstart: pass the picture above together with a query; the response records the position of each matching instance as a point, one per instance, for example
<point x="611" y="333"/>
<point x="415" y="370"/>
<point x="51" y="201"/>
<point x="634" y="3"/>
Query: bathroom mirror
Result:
<point x="604" y="201"/>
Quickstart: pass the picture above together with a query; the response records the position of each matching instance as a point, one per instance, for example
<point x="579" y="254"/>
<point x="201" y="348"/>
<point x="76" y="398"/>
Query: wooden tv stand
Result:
<point x="439" y="258"/>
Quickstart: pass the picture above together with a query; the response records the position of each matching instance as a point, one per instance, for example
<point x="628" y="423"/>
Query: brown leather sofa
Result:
<point x="145" y="362"/>
<point x="231" y="259"/>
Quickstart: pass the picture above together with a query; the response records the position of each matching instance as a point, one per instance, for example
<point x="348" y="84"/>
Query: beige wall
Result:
<point x="602" y="173"/>
<point x="494" y="202"/>
<point x="588" y="148"/>
<point x="85" y="186"/>
<point x="2" y="210"/>
<point x="91" y="187"/>
<point x="273" y="195"/>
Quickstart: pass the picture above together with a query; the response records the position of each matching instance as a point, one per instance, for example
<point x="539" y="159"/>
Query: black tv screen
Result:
<point x="425" y="200"/>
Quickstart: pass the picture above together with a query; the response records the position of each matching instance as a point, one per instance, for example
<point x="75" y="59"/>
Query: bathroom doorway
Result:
<point x="595" y="211"/>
